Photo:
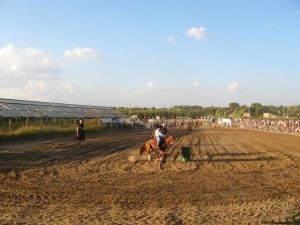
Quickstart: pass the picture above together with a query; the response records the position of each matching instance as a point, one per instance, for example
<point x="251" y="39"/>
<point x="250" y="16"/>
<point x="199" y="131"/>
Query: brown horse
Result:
<point x="79" y="134"/>
<point x="150" y="147"/>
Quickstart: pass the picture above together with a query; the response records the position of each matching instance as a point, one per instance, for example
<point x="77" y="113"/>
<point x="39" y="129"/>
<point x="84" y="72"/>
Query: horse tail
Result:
<point x="143" y="149"/>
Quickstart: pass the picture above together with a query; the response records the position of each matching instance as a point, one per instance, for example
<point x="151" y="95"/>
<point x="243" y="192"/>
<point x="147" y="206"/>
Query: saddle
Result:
<point x="154" y="142"/>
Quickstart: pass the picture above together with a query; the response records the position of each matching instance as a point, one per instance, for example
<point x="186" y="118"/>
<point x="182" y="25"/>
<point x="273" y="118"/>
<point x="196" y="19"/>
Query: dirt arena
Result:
<point x="235" y="177"/>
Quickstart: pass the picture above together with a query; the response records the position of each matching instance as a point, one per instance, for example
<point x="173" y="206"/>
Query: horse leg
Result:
<point x="161" y="165"/>
<point x="158" y="156"/>
<point x="162" y="161"/>
<point x="149" y="157"/>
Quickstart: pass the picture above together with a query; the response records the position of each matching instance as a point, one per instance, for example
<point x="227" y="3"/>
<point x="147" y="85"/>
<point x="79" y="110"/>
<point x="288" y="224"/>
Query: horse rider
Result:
<point x="164" y="129"/>
<point x="160" y="137"/>
<point x="79" y="131"/>
<point x="156" y="126"/>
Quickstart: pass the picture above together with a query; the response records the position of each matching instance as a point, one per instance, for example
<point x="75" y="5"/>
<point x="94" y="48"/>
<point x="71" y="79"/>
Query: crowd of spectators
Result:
<point x="273" y="125"/>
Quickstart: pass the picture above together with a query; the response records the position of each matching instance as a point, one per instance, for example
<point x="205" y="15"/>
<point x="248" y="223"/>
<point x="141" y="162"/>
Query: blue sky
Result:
<point x="151" y="53"/>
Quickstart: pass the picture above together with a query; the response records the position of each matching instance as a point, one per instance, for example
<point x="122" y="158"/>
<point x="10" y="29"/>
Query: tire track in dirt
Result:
<point x="275" y="150"/>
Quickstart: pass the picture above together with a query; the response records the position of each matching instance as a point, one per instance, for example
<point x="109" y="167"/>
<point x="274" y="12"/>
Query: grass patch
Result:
<point x="32" y="132"/>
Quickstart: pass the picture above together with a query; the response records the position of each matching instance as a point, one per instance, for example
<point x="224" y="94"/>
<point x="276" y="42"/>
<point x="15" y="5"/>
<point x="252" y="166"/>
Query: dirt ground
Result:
<point x="235" y="177"/>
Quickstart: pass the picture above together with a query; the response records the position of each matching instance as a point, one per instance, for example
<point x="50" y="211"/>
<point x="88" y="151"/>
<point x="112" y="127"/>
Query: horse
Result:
<point x="150" y="146"/>
<point x="79" y="134"/>
<point x="79" y="138"/>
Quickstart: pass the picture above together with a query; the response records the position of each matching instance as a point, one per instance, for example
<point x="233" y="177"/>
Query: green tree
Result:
<point x="259" y="111"/>
<point x="256" y="105"/>
<point x="234" y="105"/>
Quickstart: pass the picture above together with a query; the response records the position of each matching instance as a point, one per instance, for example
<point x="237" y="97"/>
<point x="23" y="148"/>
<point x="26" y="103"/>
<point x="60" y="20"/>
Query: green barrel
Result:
<point x="186" y="154"/>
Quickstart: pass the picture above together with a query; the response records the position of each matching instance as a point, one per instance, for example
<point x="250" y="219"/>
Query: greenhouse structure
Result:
<point x="20" y="113"/>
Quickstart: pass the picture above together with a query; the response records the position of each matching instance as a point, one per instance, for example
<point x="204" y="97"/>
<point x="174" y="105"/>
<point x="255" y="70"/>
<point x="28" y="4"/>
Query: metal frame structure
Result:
<point x="16" y="113"/>
<point x="10" y="108"/>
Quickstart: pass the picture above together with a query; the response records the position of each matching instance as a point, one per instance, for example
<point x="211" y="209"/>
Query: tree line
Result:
<point x="234" y="110"/>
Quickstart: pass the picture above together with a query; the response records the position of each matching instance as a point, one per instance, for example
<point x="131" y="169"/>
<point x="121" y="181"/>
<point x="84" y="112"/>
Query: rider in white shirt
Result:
<point x="160" y="137"/>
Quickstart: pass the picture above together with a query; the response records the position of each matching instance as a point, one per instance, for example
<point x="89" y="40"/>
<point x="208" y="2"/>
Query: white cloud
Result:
<point x="197" y="33"/>
<point x="171" y="39"/>
<point x="233" y="87"/>
<point x="124" y="90"/>
<point x="82" y="53"/>
<point x="38" y="86"/>
<point x="40" y="90"/>
<point x="152" y="88"/>
<point x="30" y="73"/>
<point x="28" y="62"/>
<point x="196" y="83"/>
<point x="67" y="87"/>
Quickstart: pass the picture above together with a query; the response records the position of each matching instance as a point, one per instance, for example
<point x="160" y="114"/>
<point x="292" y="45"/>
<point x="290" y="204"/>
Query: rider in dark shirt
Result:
<point x="79" y="130"/>
<point x="164" y="129"/>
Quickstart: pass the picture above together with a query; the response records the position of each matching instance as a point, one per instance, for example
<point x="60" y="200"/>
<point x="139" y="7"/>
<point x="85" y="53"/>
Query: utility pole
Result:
<point x="130" y="113"/>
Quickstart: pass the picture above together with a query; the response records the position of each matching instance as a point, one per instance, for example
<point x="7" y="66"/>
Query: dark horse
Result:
<point x="79" y="135"/>
<point x="150" y="147"/>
